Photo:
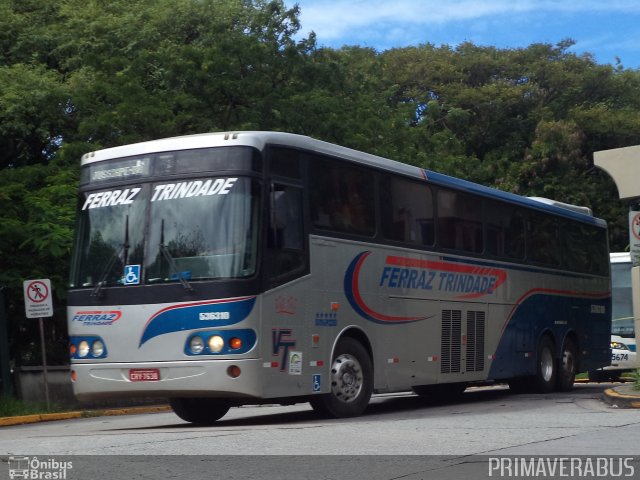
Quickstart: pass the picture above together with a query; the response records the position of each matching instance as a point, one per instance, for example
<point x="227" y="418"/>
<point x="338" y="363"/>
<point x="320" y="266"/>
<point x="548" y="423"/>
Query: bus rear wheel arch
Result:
<point x="351" y="381"/>
<point x="545" y="378"/>
<point x="202" y="411"/>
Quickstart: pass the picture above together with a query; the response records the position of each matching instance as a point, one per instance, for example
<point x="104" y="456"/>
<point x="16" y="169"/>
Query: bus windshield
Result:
<point x="621" y="300"/>
<point x="193" y="229"/>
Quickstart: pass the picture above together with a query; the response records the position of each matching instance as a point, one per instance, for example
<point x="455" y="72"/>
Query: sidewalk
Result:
<point x="623" y="396"/>
<point x="49" y="417"/>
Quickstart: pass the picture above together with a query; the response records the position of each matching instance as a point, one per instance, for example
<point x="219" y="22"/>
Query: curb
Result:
<point x="50" y="417"/>
<point x="620" y="400"/>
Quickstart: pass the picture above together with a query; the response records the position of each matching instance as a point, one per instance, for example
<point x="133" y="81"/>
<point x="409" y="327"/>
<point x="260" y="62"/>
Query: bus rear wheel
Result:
<point x="568" y="366"/>
<point x="546" y="372"/>
<point x="351" y="382"/>
<point x="202" y="411"/>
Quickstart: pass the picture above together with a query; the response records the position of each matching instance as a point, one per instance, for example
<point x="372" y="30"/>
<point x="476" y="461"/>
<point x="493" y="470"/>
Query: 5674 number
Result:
<point x="618" y="357"/>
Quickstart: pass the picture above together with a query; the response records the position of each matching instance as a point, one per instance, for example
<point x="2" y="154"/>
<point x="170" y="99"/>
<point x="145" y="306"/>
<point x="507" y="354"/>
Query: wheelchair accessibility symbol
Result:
<point x="131" y="275"/>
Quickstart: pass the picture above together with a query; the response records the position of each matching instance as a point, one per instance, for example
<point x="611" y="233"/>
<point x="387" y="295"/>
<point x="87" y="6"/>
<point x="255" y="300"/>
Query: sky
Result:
<point x="607" y="29"/>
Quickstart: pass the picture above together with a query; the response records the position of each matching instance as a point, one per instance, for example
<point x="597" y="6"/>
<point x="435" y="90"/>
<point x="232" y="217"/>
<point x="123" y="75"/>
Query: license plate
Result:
<point x="618" y="357"/>
<point x="144" y="374"/>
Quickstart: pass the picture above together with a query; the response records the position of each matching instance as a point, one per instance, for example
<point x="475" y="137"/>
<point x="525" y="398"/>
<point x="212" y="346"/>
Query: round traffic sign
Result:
<point x="37" y="291"/>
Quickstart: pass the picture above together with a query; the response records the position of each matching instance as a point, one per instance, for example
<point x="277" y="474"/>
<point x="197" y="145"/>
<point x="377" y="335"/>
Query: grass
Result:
<point x="11" y="407"/>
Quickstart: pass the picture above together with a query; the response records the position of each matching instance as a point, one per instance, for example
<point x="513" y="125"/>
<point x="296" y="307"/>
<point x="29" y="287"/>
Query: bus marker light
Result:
<point x="74" y="375"/>
<point x="235" y="343"/>
<point x="72" y="350"/>
<point x="216" y="344"/>
<point x="234" y="371"/>
<point x="335" y="306"/>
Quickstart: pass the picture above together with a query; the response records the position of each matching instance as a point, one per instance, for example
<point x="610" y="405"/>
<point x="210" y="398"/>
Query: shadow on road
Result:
<point x="382" y="406"/>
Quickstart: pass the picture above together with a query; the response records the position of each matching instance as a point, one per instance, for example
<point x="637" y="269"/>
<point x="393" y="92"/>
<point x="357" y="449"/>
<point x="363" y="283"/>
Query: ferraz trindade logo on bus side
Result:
<point x="462" y="280"/>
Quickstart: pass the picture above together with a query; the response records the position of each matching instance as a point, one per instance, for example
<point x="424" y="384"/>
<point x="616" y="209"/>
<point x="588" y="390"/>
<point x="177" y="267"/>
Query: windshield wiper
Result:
<point x="112" y="261"/>
<point x="173" y="268"/>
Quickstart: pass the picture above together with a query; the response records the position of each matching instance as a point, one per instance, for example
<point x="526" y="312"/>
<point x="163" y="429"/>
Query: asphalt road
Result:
<point x="395" y="435"/>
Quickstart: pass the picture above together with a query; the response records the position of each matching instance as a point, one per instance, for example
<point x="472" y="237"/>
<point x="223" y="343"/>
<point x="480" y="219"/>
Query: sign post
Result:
<point x="38" y="304"/>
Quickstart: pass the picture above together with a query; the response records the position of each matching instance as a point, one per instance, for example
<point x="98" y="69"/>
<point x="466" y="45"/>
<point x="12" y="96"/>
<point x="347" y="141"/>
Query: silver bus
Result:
<point x="257" y="267"/>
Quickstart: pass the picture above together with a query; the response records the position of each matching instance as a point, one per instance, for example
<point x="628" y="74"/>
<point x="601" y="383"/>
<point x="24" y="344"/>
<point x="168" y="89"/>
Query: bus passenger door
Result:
<point x="284" y="308"/>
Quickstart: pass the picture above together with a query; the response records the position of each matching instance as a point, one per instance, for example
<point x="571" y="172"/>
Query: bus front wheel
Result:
<point x="203" y="411"/>
<point x="351" y="381"/>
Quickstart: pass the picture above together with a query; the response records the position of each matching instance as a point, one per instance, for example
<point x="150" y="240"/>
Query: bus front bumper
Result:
<point x="167" y="379"/>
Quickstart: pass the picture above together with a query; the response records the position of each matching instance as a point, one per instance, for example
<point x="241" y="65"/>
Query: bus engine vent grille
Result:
<point x="451" y="341"/>
<point x="475" y="341"/>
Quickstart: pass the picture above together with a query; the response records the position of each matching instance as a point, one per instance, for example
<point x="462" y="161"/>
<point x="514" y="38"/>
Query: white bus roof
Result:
<point x="260" y="139"/>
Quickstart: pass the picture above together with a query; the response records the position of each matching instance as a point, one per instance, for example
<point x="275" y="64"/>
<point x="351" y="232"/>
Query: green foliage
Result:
<point x="79" y="75"/>
<point x="11" y="407"/>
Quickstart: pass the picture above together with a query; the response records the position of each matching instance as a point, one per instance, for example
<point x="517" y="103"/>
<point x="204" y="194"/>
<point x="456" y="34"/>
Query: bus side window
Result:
<point x="460" y="221"/>
<point x="286" y="235"/>
<point x="406" y="209"/>
<point x="504" y="230"/>
<point x="543" y="239"/>
<point x="342" y="197"/>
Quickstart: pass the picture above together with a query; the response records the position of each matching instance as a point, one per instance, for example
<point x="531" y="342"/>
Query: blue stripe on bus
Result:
<point x="191" y="316"/>
<point x="488" y="192"/>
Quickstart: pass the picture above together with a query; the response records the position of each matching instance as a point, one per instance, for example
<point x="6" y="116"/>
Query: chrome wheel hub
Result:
<point x="546" y="365"/>
<point x="346" y="378"/>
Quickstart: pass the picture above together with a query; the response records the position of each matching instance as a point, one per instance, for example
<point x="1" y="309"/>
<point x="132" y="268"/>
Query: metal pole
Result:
<point x="44" y="363"/>
<point x="6" y="384"/>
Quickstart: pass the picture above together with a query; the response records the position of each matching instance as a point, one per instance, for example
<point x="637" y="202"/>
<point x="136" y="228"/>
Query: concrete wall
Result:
<point x="30" y="385"/>
<point x="30" y="388"/>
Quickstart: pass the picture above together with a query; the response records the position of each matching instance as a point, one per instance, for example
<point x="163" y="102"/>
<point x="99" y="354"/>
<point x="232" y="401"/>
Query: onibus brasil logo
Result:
<point x="38" y="469"/>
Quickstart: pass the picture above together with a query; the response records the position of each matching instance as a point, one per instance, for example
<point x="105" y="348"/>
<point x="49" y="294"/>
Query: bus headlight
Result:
<point x="619" y="346"/>
<point x="83" y="349"/>
<point x="196" y="345"/>
<point x="97" y="349"/>
<point x="87" y="347"/>
<point x="216" y="343"/>
<point x="220" y="342"/>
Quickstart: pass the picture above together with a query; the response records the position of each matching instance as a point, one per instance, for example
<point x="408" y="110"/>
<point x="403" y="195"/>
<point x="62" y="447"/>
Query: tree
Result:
<point x="80" y="75"/>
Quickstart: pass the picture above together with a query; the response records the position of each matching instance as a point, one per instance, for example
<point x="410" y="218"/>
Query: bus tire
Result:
<point x="546" y="366"/>
<point x="351" y="382"/>
<point x="202" y="411"/>
<point x="567" y="366"/>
